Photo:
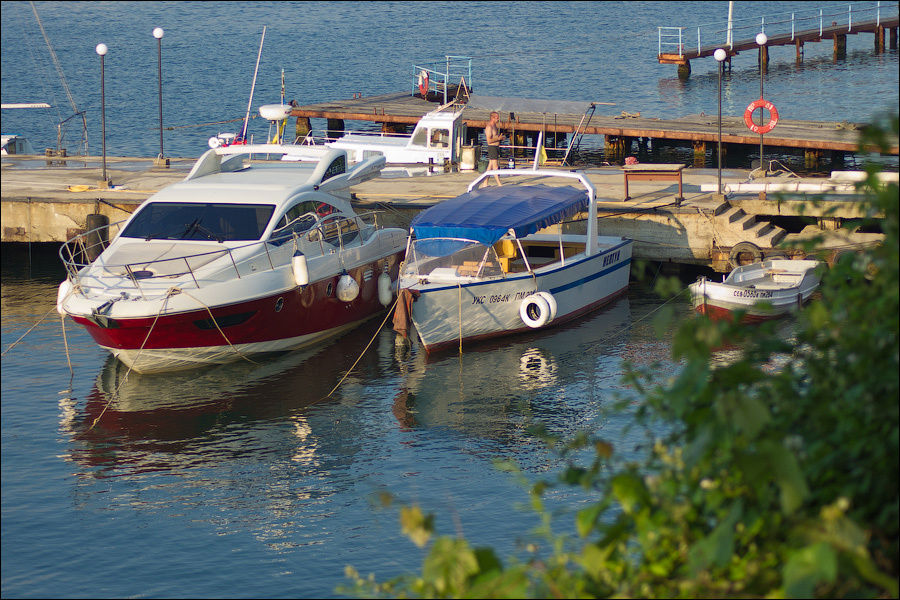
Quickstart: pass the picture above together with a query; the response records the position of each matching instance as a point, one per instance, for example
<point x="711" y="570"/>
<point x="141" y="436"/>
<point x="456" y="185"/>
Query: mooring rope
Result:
<point x="353" y="366"/>
<point x="171" y="292"/>
<point x="11" y="346"/>
<point x="216" y="323"/>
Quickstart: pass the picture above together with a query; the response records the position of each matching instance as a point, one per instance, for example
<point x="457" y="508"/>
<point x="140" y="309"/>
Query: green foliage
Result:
<point x="778" y="477"/>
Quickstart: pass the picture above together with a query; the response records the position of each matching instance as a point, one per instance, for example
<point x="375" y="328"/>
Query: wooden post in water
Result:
<point x="879" y="40"/>
<point x="840" y="46"/>
<point x="799" y="47"/>
<point x="684" y="70"/>
<point x="335" y="128"/>
<point x="303" y="127"/>
<point x="893" y="38"/>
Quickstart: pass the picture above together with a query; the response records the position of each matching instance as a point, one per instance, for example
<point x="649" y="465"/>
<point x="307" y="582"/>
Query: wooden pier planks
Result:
<point x="404" y="108"/>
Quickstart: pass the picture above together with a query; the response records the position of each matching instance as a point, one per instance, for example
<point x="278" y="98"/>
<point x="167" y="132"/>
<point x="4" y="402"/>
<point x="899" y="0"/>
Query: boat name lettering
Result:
<point x="752" y="294"/>
<point x="611" y="258"/>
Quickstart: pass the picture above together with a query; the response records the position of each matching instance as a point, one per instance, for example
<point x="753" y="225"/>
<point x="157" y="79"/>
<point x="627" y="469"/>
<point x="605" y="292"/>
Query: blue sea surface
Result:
<point x="263" y="480"/>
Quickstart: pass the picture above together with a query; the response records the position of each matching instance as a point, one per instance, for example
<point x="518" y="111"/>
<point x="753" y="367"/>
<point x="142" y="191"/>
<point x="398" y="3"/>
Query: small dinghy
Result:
<point x="762" y="290"/>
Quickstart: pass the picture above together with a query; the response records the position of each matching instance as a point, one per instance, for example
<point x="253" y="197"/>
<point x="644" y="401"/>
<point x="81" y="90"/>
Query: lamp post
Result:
<point x="102" y="50"/>
<point x="158" y="34"/>
<point x="720" y="56"/>
<point x="761" y="40"/>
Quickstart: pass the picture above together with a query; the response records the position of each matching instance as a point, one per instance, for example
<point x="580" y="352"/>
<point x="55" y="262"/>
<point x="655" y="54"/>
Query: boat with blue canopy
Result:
<point x="508" y="259"/>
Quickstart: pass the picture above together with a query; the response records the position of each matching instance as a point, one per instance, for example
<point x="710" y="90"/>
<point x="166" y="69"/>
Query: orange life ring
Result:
<point x="423" y="82"/>
<point x="773" y="116"/>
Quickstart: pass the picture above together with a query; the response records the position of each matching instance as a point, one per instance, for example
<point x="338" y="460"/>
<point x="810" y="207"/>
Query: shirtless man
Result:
<point x="494" y="137"/>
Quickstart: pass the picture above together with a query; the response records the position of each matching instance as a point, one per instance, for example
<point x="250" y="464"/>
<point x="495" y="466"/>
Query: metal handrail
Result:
<point x="790" y="22"/>
<point x="76" y="253"/>
<point x="455" y="68"/>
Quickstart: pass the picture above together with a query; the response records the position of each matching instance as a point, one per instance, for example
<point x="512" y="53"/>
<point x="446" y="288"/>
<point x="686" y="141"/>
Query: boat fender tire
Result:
<point x="551" y="302"/>
<point x="535" y="311"/>
<point x="742" y="248"/>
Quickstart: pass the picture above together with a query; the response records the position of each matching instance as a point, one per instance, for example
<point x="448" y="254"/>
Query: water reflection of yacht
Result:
<point x="200" y="417"/>
<point x="491" y="387"/>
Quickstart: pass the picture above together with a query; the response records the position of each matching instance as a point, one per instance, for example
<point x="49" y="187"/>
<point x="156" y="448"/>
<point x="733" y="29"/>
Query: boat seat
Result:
<point x="506" y="252"/>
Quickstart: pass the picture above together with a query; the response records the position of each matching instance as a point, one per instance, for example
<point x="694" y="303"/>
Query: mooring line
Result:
<point x="216" y="323"/>
<point x="353" y="366"/>
<point x="171" y="292"/>
<point x="11" y="346"/>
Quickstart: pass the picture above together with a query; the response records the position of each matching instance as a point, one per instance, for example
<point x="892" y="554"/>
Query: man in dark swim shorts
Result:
<point x="494" y="137"/>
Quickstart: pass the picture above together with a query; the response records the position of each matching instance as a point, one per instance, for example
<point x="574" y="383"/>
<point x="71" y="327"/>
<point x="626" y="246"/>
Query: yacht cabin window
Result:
<point x="220" y="222"/>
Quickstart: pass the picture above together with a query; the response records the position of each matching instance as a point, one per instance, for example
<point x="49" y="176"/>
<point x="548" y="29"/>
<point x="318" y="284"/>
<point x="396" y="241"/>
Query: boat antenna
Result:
<point x="253" y="87"/>
<point x="62" y="78"/>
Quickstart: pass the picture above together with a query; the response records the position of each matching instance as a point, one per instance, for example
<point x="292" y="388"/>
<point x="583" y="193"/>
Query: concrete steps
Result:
<point x="733" y="226"/>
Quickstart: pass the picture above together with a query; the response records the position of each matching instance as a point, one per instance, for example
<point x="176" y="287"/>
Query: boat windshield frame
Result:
<point x="192" y="221"/>
<point x="466" y="259"/>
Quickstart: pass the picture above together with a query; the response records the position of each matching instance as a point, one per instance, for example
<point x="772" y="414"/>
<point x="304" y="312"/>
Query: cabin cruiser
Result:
<point x="246" y="255"/>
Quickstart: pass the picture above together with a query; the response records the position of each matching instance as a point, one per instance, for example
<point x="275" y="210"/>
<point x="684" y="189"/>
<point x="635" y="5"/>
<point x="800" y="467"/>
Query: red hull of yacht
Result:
<point x="289" y="314"/>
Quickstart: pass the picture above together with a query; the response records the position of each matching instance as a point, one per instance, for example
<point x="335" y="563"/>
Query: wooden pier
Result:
<point x="621" y="131"/>
<point x="684" y="50"/>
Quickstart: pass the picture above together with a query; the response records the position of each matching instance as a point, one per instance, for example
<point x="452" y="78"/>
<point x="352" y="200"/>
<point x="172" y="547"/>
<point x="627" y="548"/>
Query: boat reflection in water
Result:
<point x="206" y="416"/>
<point x="559" y="376"/>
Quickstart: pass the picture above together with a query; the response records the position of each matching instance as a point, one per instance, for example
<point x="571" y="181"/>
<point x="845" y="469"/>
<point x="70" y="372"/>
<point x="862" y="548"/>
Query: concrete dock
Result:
<point x="51" y="203"/>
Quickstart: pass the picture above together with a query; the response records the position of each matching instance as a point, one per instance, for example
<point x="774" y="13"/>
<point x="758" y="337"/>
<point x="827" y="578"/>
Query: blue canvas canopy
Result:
<point x="486" y="215"/>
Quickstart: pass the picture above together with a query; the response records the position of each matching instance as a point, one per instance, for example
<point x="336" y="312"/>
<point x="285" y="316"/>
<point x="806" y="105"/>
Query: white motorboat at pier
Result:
<point x="244" y="256"/>
<point x="495" y="261"/>
<point x="759" y="291"/>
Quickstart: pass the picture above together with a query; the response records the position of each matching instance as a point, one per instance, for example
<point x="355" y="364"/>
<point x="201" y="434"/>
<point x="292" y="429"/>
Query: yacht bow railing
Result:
<point x="330" y="233"/>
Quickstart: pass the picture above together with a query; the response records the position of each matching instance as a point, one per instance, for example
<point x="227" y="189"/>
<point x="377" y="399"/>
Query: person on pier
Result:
<point x="493" y="137"/>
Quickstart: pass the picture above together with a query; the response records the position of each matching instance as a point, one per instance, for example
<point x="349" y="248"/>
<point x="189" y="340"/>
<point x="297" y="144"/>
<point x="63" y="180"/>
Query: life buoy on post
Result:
<point x="773" y="116"/>
<point x="423" y="82"/>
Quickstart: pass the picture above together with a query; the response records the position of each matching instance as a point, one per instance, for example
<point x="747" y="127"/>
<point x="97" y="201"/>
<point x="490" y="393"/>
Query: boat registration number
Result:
<point x="752" y="294"/>
<point x="496" y="298"/>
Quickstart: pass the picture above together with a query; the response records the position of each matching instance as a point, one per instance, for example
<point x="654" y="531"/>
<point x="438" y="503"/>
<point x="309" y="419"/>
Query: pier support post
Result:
<point x="837" y="159"/>
<point x="303" y="127"/>
<point x="684" y="70"/>
<point x="617" y="146"/>
<point x="335" y="128"/>
<point x="893" y="38"/>
<point x="699" y="153"/>
<point x="811" y="158"/>
<point x="840" y="47"/>
<point x="879" y="40"/>
<point x="393" y="128"/>
<point x="799" y="48"/>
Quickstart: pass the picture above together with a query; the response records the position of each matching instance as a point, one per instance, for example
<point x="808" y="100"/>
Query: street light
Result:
<point x="761" y="41"/>
<point x="720" y="56"/>
<point x="102" y="50"/>
<point x="158" y="34"/>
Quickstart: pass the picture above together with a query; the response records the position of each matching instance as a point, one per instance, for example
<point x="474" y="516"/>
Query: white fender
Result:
<point x="534" y="311"/>
<point x="347" y="288"/>
<point x="551" y="302"/>
<point x="65" y="288"/>
<point x="299" y="268"/>
<point x="214" y="142"/>
<point x="385" y="289"/>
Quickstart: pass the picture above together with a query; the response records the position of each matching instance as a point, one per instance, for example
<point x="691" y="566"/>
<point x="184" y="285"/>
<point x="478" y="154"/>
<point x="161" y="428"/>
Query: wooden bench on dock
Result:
<point x="655" y="172"/>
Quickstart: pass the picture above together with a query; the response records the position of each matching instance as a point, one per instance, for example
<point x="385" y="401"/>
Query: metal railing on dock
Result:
<point x="786" y="28"/>
<point x="441" y="76"/>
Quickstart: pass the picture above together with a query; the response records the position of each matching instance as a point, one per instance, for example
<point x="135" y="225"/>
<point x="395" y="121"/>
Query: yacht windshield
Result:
<point x="200" y="221"/>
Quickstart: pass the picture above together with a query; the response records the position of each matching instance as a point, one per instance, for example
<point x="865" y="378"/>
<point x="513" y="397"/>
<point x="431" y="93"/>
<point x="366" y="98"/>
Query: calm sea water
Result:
<point x="249" y="481"/>
<point x="603" y="52"/>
